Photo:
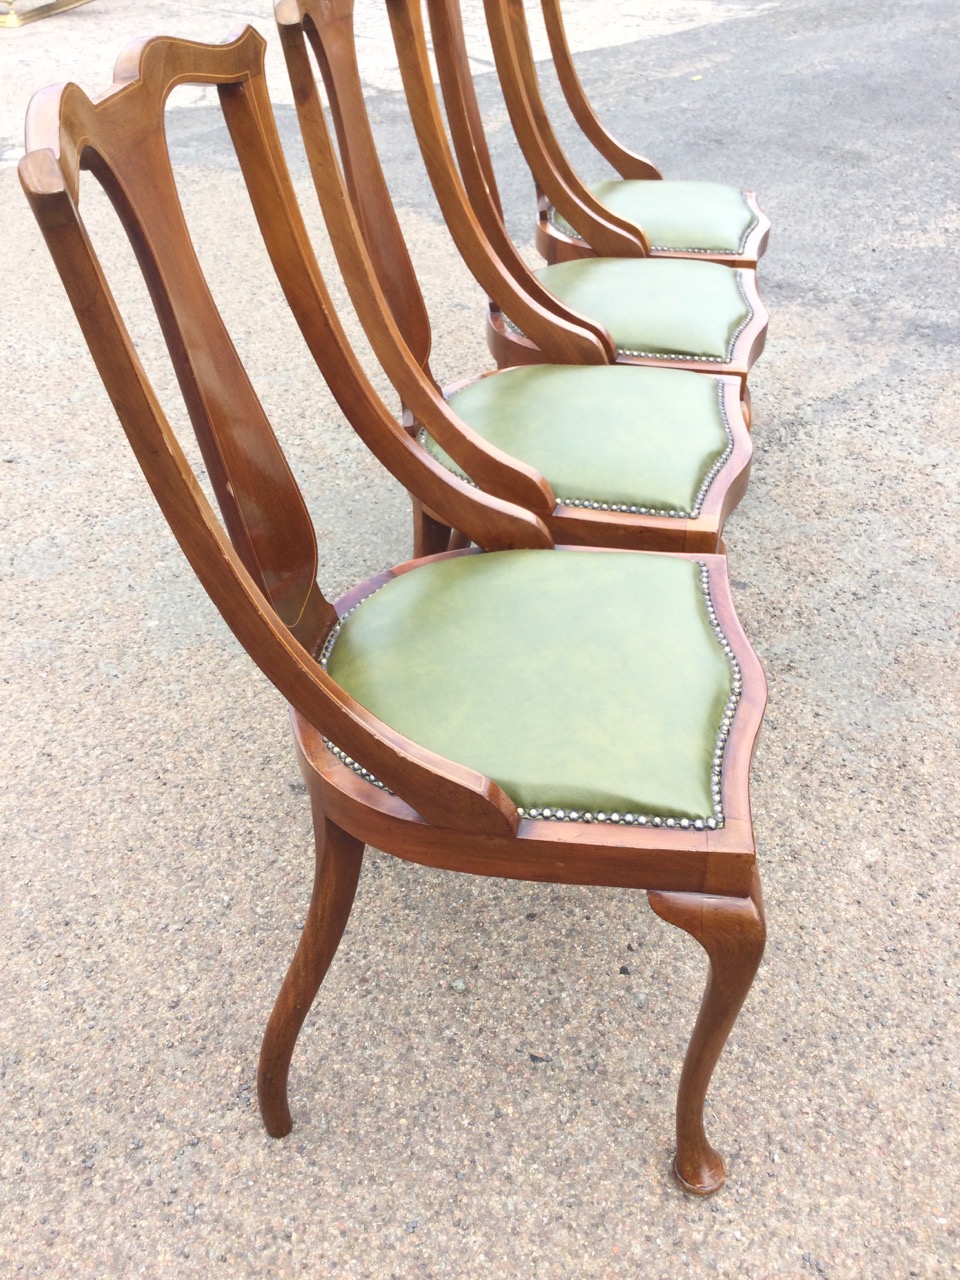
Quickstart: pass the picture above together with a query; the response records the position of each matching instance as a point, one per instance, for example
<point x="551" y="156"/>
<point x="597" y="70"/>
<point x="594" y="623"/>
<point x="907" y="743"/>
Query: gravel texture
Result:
<point x="485" y="1086"/>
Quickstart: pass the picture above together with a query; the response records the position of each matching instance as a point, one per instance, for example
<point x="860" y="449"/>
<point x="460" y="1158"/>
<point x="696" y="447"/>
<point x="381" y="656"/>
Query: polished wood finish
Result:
<point x="509" y="347"/>
<point x="607" y="233"/>
<point x="471" y="173"/>
<point x="733" y="933"/>
<point x="338" y="860"/>
<point x="627" y="163"/>
<point x="263" y="576"/>
<point x="376" y="268"/>
<point x="260" y="571"/>
<point x="558" y="184"/>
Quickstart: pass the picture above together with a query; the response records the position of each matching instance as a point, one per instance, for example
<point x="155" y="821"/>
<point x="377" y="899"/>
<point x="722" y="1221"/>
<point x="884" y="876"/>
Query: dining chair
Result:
<point x="706" y="221"/>
<point x="632" y="457"/>
<point x="536" y="713"/>
<point x="674" y="312"/>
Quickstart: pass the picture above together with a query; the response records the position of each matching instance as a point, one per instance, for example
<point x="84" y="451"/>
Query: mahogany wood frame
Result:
<point x="472" y="174"/>
<point x="558" y="184"/>
<point x="379" y="275"/>
<point x="262" y="577"/>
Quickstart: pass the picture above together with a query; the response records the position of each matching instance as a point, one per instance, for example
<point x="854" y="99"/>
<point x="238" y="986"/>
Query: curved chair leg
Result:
<point x="339" y="856"/>
<point x="732" y="931"/>
<point x="430" y="535"/>
<point x="746" y="404"/>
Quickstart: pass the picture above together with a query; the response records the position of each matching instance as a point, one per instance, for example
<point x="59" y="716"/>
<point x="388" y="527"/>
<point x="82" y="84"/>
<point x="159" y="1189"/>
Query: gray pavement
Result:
<point x="485" y="1086"/>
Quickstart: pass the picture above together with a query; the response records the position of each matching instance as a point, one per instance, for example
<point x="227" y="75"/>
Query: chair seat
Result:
<point x="513" y="663"/>
<point x="638" y="439"/>
<point x="678" y="217"/>
<point x="666" y="307"/>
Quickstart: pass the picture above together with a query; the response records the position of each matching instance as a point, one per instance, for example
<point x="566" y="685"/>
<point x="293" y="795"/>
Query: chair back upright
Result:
<point x="328" y="26"/>
<point x="492" y="258"/>
<point x="120" y="137"/>
<point x="611" y="235"/>
<point x="627" y="163"/>
<point x="472" y="212"/>
<point x="262" y="577"/>
<point x="374" y="275"/>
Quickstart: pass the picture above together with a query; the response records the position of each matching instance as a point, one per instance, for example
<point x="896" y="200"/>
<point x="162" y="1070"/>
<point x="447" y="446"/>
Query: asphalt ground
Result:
<point x="485" y="1086"/>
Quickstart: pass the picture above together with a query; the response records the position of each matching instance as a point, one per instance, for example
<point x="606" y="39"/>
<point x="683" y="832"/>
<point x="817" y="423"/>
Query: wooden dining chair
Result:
<point x="632" y="457"/>
<point x="702" y="220"/>
<point x="673" y="312"/>
<point x="577" y="716"/>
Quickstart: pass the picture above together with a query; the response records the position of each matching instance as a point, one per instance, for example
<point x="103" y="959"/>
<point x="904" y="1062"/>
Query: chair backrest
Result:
<point x="606" y="231"/>
<point x="328" y="26"/>
<point x="263" y="577"/>
<point x="377" y="269"/>
<point x="609" y="234"/>
<point x="626" y="163"/>
<point x="487" y="250"/>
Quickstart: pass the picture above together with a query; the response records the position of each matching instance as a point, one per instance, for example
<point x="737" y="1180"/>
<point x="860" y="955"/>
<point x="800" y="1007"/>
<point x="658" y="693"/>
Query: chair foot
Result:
<point x="746" y="406"/>
<point x="732" y="931"/>
<point x="709" y="1176"/>
<point x="339" y="857"/>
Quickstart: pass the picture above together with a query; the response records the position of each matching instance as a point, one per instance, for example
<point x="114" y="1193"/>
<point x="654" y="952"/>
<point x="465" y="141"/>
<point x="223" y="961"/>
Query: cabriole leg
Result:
<point x="732" y="931"/>
<point x="339" y="856"/>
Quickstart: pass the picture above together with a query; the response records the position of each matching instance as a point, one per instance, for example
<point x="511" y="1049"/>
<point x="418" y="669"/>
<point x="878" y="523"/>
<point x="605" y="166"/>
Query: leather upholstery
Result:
<point x="657" y="306"/>
<point x="585" y="680"/>
<point x="678" y="216"/>
<point x="611" y="434"/>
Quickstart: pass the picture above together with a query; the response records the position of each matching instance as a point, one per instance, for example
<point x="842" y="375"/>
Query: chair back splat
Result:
<point x="665" y="312"/>
<point x="120" y="138"/>
<point x="263" y="577"/>
<point x="368" y="241"/>
<point x="468" y="194"/>
<point x="705" y="221"/>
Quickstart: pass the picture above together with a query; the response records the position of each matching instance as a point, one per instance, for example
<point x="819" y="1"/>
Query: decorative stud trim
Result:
<point x="559" y="223"/>
<point x="587" y="504"/>
<point x="694" y="513"/>
<point x="324" y="658"/>
<point x="675" y="355"/>
<point x="708" y="822"/>
<point x="712" y="821"/>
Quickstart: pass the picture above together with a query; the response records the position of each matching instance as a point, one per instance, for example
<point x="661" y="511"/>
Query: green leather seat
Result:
<point x="684" y="217"/>
<point x="515" y="664"/>
<point x="669" y="307"/>
<point x="634" y="439"/>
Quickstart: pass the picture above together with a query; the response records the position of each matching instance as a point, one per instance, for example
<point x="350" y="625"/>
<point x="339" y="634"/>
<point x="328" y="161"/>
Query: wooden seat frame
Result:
<point x="262" y="577"/>
<point x="376" y="266"/>
<point x="558" y="185"/>
<point x="512" y="341"/>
